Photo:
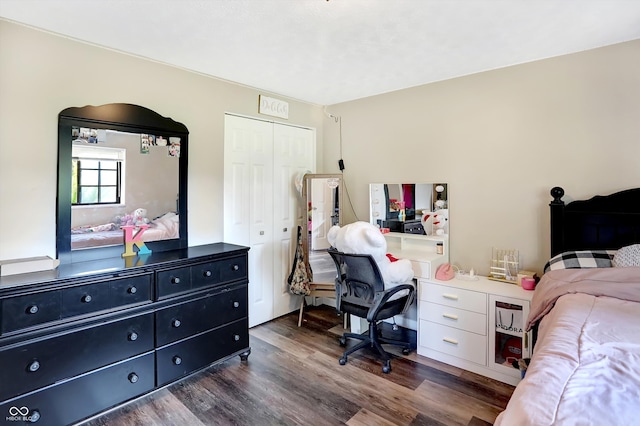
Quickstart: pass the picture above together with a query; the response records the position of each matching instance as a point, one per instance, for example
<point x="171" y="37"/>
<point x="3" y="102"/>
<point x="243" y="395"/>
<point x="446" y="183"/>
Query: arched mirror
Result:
<point x="322" y="194"/>
<point x="119" y="164"/>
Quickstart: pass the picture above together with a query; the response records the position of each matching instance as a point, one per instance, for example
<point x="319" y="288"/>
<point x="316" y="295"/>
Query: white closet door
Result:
<point x="248" y="204"/>
<point x="294" y="153"/>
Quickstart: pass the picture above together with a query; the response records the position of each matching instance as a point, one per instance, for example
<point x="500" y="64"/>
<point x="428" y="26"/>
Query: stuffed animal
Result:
<point x="365" y="238"/>
<point x="140" y="217"/>
<point x="124" y="220"/>
<point x="441" y="222"/>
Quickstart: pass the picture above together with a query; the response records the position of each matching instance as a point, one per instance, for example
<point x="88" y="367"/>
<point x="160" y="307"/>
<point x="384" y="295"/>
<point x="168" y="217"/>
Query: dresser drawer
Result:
<point x="183" y="320"/>
<point x="186" y="356"/>
<point x="44" y="362"/>
<point x="26" y="311"/>
<point x="70" y="401"/>
<point x="454" y="317"/>
<point x="130" y="290"/>
<point x="452" y="341"/>
<point x="455" y="297"/>
<point x="173" y="281"/>
<point x="85" y="299"/>
<point x="219" y="272"/>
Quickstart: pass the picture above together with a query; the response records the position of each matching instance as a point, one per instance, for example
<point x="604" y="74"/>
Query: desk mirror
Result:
<point x="396" y="205"/>
<point x="119" y="164"/>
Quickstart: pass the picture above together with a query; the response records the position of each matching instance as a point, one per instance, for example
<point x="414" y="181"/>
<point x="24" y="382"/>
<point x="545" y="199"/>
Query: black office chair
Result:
<point x="360" y="291"/>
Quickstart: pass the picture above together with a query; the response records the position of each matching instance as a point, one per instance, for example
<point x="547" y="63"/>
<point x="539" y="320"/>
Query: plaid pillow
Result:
<point x="580" y="259"/>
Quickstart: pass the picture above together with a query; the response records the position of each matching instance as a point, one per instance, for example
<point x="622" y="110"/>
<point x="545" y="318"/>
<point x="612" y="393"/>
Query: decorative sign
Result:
<point x="273" y="107"/>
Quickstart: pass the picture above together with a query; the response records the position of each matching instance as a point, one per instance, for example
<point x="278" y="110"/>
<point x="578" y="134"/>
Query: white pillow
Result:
<point x="627" y="256"/>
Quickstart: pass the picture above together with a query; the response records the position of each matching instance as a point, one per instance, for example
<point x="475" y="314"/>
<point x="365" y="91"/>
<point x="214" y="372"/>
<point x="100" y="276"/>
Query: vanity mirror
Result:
<point x="119" y="164"/>
<point x="409" y="207"/>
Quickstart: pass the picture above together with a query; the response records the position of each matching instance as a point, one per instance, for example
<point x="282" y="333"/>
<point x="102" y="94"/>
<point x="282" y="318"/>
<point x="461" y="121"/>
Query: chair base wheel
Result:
<point x="343" y="360"/>
<point x="386" y="368"/>
<point x="406" y="351"/>
<point x="343" y="341"/>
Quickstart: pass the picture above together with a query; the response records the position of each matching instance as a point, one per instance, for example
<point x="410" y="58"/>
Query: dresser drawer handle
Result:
<point x="450" y="340"/>
<point x="236" y="337"/>
<point x="236" y="304"/>
<point x="207" y="274"/>
<point x="175" y="280"/>
<point x="133" y="377"/>
<point x="176" y="323"/>
<point x="34" y="366"/>
<point x="86" y="298"/>
<point x="33" y="309"/>
<point x="450" y="316"/>
<point x="235" y="268"/>
<point x="177" y="360"/>
<point x="133" y="336"/>
<point x="132" y="290"/>
<point x="450" y="296"/>
<point x="34" y="416"/>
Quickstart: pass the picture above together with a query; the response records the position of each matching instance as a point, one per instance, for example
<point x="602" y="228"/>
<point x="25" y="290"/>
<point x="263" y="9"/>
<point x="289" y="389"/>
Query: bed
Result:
<point x="164" y="227"/>
<point x="585" y="314"/>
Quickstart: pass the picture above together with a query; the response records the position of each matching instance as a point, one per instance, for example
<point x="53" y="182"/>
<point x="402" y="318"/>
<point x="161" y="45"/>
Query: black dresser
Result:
<point x="91" y="335"/>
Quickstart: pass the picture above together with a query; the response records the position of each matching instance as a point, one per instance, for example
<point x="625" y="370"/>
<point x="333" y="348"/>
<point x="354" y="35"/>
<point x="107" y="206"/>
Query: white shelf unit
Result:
<point x="457" y="322"/>
<point x="420" y="249"/>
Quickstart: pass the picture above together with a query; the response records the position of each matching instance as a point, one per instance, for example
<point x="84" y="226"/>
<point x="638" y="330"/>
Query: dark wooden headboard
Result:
<point x="602" y="222"/>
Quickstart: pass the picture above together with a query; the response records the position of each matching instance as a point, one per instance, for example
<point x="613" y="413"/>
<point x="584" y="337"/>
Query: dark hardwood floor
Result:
<point x="292" y="377"/>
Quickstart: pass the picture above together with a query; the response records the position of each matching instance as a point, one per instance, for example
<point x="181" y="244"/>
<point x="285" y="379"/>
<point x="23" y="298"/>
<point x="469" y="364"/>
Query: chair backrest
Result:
<point x="359" y="275"/>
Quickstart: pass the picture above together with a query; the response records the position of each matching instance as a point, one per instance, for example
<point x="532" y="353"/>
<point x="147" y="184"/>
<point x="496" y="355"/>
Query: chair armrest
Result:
<point x="383" y="297"/>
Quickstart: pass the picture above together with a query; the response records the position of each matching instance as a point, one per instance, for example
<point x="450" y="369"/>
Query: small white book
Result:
<point x="26" y="265"/>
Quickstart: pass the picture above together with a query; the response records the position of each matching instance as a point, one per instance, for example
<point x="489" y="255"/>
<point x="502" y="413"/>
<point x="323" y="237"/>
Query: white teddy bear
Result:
<point x="365" y="238"/>
<point x="140" y="217"/>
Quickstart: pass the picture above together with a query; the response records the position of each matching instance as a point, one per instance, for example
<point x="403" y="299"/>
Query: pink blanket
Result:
<point x="586" y="364"/>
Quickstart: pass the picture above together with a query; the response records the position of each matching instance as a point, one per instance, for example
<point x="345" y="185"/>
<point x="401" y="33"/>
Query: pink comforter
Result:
<point x="586" y="364"/>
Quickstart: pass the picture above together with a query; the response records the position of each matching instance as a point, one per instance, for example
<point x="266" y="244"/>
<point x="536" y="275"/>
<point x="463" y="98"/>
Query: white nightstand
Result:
<point x="474" y="325"/>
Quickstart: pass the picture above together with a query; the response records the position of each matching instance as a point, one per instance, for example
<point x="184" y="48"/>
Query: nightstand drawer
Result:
<point x="449" y="340"/>
<point x="456" y="297"/>
<point x="454" y="317"/>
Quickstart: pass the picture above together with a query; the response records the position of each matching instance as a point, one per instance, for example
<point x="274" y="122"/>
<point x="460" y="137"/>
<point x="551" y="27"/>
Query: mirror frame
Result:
<point x="125" y="118"/>
<point x="305" y="199"/>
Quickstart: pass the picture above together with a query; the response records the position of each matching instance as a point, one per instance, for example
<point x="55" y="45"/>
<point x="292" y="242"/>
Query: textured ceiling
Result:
<point x="327" y="52"/>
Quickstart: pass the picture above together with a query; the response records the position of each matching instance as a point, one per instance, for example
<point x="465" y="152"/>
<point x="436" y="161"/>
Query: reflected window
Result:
<point x="97" y="176"/>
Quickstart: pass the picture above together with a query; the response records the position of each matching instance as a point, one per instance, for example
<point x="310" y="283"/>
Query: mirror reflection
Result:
<point x="120" y="178"/>
<point x="322" y="195"/>
<point x="119" y="164"/>
<point x="417" y="208"/>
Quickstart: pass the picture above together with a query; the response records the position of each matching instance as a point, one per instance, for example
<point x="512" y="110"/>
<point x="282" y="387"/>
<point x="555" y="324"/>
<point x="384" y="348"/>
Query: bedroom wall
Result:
<point x="41" y="74"/>
<point x="501" y="139"/>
